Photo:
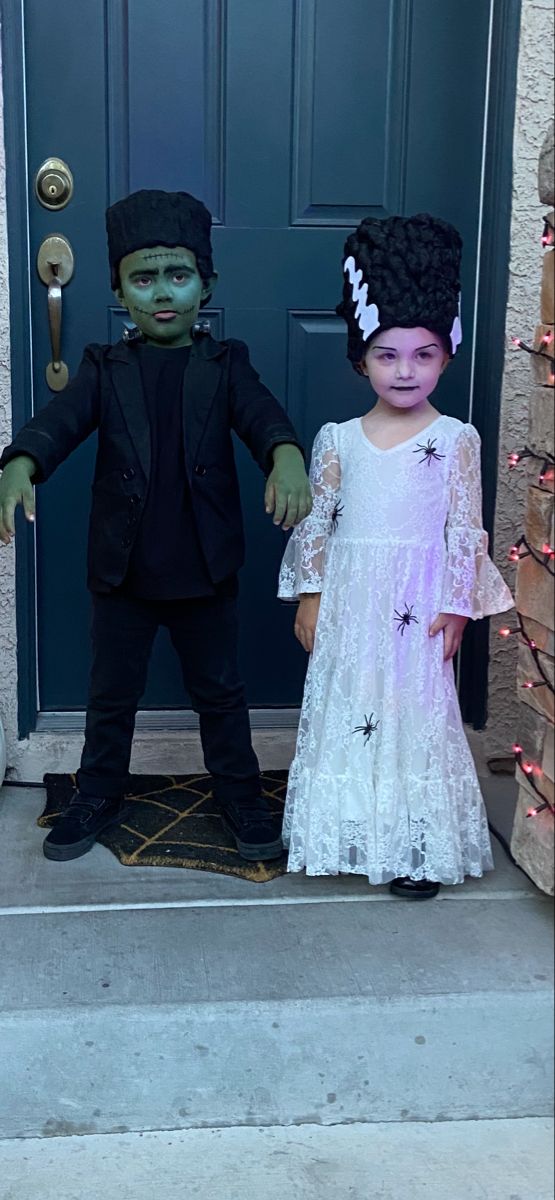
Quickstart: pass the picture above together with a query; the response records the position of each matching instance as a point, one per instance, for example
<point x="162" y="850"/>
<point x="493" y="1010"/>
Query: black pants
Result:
<point x="204" y="634"/>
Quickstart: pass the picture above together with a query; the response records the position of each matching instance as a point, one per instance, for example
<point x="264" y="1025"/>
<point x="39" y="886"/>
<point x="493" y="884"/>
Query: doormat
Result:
<point x="171" y="821"/>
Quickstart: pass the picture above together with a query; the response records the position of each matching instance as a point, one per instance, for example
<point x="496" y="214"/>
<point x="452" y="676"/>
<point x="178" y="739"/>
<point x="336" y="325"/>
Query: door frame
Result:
<point x="492" y="291"/>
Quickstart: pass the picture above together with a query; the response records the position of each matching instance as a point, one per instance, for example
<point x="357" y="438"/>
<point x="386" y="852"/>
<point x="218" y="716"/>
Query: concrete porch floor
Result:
<point x="462" y="1160"/>
<point x="403" y="1044"/>
<point x="29" y="883"/>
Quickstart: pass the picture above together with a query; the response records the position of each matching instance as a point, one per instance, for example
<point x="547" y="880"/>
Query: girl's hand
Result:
<point x="306" y="620"/>
<point x="453" y="627"/>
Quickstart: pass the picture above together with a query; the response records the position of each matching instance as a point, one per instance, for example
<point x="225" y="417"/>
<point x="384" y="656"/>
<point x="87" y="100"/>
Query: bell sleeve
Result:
<point x="472" y="585"/>
<point x="302" y="569"/>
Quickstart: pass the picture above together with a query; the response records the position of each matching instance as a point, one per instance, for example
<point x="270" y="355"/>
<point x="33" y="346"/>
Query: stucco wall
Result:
<point x="8" y="665"/>
<point x="534" y="107"/>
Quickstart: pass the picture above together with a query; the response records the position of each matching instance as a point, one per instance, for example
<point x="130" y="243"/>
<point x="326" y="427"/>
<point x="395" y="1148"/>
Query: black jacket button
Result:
<point x="200" y="470"/>
<point x="129" y="473"/>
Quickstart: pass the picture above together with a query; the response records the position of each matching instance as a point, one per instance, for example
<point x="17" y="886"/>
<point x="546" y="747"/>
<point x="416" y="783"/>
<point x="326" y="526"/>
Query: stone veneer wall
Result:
<point x="532" y="840"/>
<point x="534" y="105"/>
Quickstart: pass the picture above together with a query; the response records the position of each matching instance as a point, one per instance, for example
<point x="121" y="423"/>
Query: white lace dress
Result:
<point x="383" y="783"/>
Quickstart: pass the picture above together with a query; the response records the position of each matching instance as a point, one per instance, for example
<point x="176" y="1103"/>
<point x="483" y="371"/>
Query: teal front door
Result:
<point x="292" y="121"/>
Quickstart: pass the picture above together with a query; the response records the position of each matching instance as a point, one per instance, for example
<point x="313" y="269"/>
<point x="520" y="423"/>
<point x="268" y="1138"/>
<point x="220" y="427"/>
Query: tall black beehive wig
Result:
<point x="401" y="272"/>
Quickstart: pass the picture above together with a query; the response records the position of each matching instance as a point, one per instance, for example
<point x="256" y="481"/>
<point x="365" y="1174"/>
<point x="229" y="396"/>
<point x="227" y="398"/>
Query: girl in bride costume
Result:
<point x="388" y="569"/>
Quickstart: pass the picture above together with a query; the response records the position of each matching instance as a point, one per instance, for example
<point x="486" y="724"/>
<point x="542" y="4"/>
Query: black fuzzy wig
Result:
<point x="411" y="268"/>
<point x="157" y="218"/>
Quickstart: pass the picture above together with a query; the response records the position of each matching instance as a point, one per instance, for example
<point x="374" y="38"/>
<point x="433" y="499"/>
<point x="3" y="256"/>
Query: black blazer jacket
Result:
<point x="221" y="392"/>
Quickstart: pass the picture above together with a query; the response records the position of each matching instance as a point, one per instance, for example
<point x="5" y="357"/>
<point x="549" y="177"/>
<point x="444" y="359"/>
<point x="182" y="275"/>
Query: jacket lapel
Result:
<point x="200" y="384"/>
<point x="128" y="385"/>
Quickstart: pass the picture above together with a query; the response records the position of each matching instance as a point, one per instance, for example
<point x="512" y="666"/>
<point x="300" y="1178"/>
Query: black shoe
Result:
<point x="414" y="889"/>
<point x="256" y="832"/>
<point x="77" y="829"/>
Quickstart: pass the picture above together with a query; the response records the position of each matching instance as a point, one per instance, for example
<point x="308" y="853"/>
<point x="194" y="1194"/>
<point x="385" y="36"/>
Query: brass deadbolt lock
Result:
<point x="54" y="183"/>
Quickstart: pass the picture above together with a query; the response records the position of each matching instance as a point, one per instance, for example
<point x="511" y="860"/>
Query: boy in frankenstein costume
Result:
<point x="165" y="535"/>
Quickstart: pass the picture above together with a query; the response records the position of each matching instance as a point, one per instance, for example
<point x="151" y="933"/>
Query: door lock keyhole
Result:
<point x="54" y="184"/>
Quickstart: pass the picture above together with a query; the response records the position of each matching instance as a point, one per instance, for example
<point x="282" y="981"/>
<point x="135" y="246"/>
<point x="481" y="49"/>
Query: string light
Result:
<point x="530" y="769"/>
<point x="546" y="339"/>
<point x="533" y="812"/>
<point x="517" y="553"/>
<point x="547" y="461"/>
<point x="548" y="232"/>
<point x="523" y="549"/>
<point x="506" y="632"/>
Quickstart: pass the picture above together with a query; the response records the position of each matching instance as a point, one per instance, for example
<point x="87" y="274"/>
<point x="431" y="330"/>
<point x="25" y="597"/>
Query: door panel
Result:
<point x="292" y="122"/>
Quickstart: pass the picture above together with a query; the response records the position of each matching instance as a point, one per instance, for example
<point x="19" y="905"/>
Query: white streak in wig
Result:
<point x="366" y="314"/>
<point x="456" y="330"/>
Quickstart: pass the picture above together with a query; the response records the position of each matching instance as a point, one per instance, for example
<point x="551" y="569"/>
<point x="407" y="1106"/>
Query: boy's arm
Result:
<point x="266" y="430"/>
<point x="63" y="424"/>
<point x="16" y="488"/>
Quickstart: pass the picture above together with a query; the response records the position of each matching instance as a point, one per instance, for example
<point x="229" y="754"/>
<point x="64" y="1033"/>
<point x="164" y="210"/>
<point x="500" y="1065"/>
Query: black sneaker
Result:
<point x="256" y="832"/>
<point x="77" y="829"/>
<point x="414" y="889"/>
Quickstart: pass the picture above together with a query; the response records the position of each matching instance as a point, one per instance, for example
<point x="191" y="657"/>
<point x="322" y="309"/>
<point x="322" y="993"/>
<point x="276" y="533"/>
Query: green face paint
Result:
<point x="161" y="288"/>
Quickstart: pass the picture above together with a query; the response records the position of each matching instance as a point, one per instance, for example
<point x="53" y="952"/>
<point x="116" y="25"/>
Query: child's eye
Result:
<point x="143" y="281"/>
<point x="424" y="354"/>
<point x="387" y="357"/>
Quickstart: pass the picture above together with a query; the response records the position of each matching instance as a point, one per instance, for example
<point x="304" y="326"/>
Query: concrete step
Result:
<point x="464" y="1160"/>
<point x="212" y="1002"/>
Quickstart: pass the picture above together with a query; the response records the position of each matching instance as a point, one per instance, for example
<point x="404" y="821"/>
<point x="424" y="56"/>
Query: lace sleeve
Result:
<point x="302" y="569"/>
<point x="472" y="585"/>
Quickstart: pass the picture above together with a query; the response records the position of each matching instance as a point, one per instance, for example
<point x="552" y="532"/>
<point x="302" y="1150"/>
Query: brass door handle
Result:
<point x="55" y="319"/>
<point x="55" y="267"/>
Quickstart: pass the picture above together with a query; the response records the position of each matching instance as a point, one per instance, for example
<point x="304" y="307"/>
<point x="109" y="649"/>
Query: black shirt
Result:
<point x="166" y="562"/>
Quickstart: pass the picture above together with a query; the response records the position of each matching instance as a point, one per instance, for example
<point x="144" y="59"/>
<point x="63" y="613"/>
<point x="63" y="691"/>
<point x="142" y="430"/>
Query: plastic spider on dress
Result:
<point x="405" y="618"/>
<point x="336" y="514"/>
<point x="368" y="728"/>
<point x="429" y="451"/>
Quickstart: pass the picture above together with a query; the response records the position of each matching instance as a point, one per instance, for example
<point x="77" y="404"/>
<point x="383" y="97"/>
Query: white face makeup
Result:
<point x="404" y="366"/>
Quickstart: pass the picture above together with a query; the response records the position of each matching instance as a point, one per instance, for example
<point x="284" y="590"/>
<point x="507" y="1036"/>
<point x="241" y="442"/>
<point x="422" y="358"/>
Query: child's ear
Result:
<point x="121" y="298"/>
<point x="208" y="285"/>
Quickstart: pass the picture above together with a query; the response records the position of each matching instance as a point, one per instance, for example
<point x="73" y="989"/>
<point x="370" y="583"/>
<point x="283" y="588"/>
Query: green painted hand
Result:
<point x="288" y="494"/>
<point x="16" y="488"/>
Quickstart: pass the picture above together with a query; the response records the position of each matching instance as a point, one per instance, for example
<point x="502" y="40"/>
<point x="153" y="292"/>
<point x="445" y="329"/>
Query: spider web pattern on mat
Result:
<point x="171" y="821"/>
